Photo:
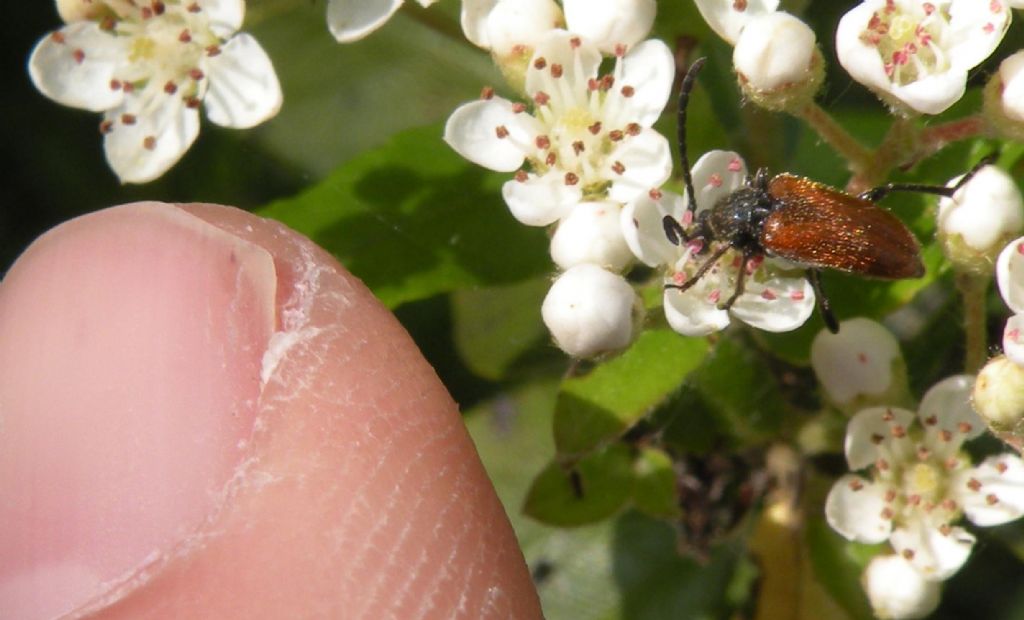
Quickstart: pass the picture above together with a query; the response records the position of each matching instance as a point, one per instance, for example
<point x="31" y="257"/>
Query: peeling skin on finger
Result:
<point x="341" y="484"/>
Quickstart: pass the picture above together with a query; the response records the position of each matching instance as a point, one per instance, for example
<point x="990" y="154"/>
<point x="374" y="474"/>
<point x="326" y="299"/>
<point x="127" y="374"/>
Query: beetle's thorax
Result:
<point x="739" y="217"/>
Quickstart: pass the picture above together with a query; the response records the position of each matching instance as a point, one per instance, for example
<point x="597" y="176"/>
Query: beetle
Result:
<point x="811" y="224"/>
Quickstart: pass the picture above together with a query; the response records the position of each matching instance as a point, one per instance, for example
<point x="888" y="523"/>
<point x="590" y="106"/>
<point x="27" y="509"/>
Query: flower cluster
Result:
<point x="581" y="148"/>
<point x="148" y="66"/>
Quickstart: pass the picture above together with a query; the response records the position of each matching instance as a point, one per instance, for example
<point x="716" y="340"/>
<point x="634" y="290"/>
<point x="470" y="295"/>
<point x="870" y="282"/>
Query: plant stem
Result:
<point x="933" y="139"/>
<point x="858" y="157"/>
<point x="896" y="146"/>
<point x="972" y="289"/>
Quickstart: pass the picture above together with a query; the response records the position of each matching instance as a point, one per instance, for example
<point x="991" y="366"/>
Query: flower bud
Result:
<point x="861" y="366"/>
<point x="610" y="24"/>
<point x="590" y="311"/>
<point x="999" y="394"/>
<point x="510" y="29"/>
<point x="729" y="18"/>
<point x="502" y="25"/>
<point x="978" y="221"/>
<point x="1004" y="98"/>
<point x="897" y="590"/>
<point x="591" y="234"/>
<point x="777" y="62"/>
<point x="1010" y="275"/>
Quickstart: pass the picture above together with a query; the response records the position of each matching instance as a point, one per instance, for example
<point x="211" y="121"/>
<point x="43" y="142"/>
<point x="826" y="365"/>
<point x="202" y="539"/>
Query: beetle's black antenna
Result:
<point x="684" y="97"/>
<point x="876" y="194"/>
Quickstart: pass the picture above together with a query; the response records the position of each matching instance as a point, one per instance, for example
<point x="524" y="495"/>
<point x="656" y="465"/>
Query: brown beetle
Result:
<point x="805" y="222"/>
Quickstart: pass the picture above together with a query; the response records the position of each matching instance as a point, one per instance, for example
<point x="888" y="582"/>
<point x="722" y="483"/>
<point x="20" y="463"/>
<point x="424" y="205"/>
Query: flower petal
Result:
<point x="512" y="23"/>
<point x="1010" y="274"/>
<point x="728" y="18"/>
<point x="611" y="23"/>
<point x="856" y="361"/>
<point x="692" y="314"/>
<point x="351" y="20"/>
<point x="244" y="90"/>
<point x="975" y="31"/>
<point x="646" y="163"/>
<point x="474" y="128"/>
<point x="648" y="70"/>
<point x="591" y="234"/>
<point x="75" y="66"/>
<point x="948" y="417"/>
<point x="147" y="146"/>
<point x="716" y="175"/>
<point x="541" y="200"/>
<point x="993" y="492"/>
<point x="934" y="554"/>
<point x="932" y="94"/>
<point x="474" y="21"/>
<point x="577" y="65"/>
<point x="226" y="16"/>
<point x="1013" y="339"/>
<point x="779" y="304"/>
<point x="854" y="508"/>
<point x="644" y="232"/>
<point x="871" y="429"/>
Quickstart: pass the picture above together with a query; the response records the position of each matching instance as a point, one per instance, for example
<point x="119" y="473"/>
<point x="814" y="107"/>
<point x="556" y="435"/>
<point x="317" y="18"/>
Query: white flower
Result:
<point x="922" y="482"/>
<point x="774" y="51"/>
<point x="897" y="591"/>
<point x="855" y="362"/>
<point x="591" y="234"/>
<point x="975" y="224"/>
<point x="590" y="311"/>
<point x="1010" y="279"/>
<point x="728" y="17"/>
<point x="503" y="25"/>
<point x="919" y="53"/>
<point x="770" y="301"/>
<point x="148" y="67"/>
<point x="589" y="136"/>
<point x="351" y="20"/>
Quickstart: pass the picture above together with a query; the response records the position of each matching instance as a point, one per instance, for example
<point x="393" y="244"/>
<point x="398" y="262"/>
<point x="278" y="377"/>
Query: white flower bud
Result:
<point x="999" y="393"/>
<point x="591" y="234"/>
<point x="1010" y="274"/>
<point x="611" y="23"/>
<point x="728" y="18"/>
<point x="856" y="366"/>
<point x="777" y="61"/>
<point x="590" y="311"/>
<point x="980" y="219"/>
<point x="1004" y="97"/>
<point x="502" y="25"/>
<point x="897" y="590"/>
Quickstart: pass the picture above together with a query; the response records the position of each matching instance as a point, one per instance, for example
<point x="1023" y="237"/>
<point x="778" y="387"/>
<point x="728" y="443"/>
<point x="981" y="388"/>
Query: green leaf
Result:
<point x="413" y="219"/>
<point x="654" y="492"/>
<point x="496" y="326"/>
<point x="589" y="490"/>
<point x="734" y="393"/>
<point x="599" y="406"/>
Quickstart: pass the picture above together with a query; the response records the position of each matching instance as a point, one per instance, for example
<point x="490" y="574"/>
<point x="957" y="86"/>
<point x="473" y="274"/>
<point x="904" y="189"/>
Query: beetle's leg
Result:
<point x="741" y="281"/>
<point x="674" y="230"/>
<point x="876" y="194"/>
<point x="824" y="306"/>
<point x="703" y="269"/>
<point x="684" y="98"/>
